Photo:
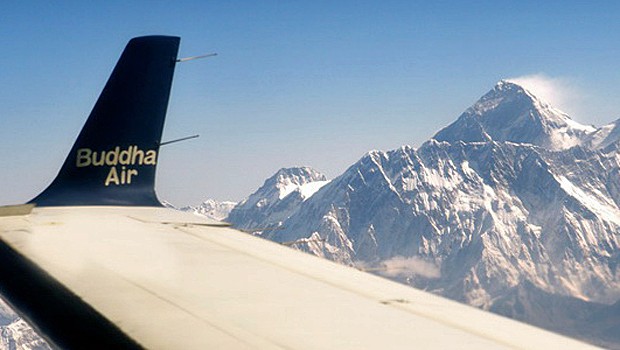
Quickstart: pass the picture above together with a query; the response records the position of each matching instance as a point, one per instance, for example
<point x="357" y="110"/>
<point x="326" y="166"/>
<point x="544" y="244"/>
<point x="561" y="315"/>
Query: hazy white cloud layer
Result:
<point x="561" y="93"/>
<point x="405" y="267"/>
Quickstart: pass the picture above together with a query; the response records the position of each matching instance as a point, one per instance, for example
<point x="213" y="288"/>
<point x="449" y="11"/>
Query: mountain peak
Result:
<point x="278" y="198"/>
<point x="508" y="85"/>
<point x="281" y="184"/>
<point x="507" y="92"/>
<point x="287" y="180"/>
<point x="507" y="88"/>
<point x="510" y="112"/>
<point x="213" y="209"/>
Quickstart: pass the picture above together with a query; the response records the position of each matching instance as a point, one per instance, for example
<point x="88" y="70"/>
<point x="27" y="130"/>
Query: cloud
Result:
<point x="400" y="266"/>
<point x="561" y="93"/>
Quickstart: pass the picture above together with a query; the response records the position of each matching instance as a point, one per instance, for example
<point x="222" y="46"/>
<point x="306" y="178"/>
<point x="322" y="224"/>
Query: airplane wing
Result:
<point x="95" y="261"/>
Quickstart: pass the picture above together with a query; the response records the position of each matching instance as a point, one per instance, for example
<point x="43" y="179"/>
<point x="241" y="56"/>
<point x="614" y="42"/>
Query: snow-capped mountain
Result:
<point x="512" y="205"/>
<point x="210" y="208"/>
<point x="508" y="212"/>
<point x="213" y="209"/>
<point x="16" y="334"/>
<point x="605" y="136"/>
<point x="509" y="112"/>
<point x="277" y="199"/>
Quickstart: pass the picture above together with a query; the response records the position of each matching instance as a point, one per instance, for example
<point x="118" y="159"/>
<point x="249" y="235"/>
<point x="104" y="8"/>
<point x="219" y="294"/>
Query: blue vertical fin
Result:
<point x="113" y="160"/>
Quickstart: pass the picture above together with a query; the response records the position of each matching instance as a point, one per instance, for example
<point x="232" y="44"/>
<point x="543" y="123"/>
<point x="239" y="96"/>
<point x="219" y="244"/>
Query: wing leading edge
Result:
<point x="100" y="264"/>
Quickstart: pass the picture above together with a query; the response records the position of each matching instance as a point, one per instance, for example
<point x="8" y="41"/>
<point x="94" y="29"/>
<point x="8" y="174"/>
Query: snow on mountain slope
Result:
<point x="605" y="135"/>
<point x="474" y="211"/>
<point x="513" y="200"/>
<point x="16" y="334"/>
<point x="213" y="209"/>
<point x="19" y="336"/>
<point x="509" y="112"/>
<point x="277" y="199"/>
<point x="210" y="208"/>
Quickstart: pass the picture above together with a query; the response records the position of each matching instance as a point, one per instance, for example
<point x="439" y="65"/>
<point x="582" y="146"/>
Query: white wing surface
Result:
<point x="173" y="280"/>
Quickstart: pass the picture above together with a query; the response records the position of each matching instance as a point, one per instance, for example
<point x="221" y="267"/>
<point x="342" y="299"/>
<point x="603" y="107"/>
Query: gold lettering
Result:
<point x="131" y="156"/>
<point x="151" y="157"/>
<point x="125" y="156"/>
<point x="83" y="157"/>
<point x="137" y="153"/>
<point x="129" y="173"/>
<point x="100" y="161"/>
<point x="111" y="158"/>
<point x="112" y="177"/>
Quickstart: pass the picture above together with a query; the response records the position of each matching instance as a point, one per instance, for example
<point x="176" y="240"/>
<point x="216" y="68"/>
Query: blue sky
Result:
<point x="315" y="83"/>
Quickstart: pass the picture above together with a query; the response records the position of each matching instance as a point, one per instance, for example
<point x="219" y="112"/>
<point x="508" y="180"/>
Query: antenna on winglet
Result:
<point x="185" y="59"/>
<point x="114" y="159"/>
<point x="179" y="140"/>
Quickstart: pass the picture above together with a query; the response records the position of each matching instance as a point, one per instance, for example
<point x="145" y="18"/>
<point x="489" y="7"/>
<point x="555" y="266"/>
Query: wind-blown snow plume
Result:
<point x="559" y="92"/>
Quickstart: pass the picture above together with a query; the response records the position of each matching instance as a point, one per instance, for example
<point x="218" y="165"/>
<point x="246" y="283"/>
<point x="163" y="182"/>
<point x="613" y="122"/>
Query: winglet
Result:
<point x="114" y="158"/>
